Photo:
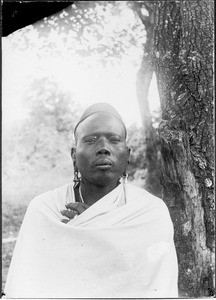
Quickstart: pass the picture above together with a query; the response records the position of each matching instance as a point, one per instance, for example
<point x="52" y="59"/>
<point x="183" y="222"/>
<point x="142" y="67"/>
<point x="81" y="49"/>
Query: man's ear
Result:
<point x="73" y="153"/>
<point x="73" y="156"/>
<point x="128" y="153"/>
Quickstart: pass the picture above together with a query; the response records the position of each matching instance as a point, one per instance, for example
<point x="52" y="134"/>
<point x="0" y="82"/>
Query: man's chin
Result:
<point x="105" y="179"/>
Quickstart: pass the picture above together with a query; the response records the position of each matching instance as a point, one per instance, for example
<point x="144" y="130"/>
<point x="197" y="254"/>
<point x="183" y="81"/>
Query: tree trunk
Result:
<point x="183" y="60"/>
<point x="144" y="77"/>
<point x="152" y="153"/>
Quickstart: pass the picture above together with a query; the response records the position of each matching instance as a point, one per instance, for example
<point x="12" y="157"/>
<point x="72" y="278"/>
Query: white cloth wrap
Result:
<point x="113" y="249"/>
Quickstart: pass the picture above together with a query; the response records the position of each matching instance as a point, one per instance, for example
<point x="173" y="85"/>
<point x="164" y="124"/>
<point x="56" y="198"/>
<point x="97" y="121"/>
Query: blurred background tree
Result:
<point x="36" y="150"/>
<point x="93" y="32"/>
<point x="152" y="156"/>
<point x="47" y="135"/>
<point x="44" y="139"/>
<point x="156" y="36"/>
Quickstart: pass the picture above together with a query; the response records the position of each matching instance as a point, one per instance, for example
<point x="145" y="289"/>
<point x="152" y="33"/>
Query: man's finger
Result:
<point x="65" y="221"/>
<point x="68" y="213"/>
<point x="78" y="207"/>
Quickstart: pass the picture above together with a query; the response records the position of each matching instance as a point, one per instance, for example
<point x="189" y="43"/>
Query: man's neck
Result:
<point x="92" y="193"/>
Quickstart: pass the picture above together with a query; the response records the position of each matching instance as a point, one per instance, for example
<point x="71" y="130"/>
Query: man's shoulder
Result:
<point x="150" y="203"/>
<point x="140" y="191"/>
<point x="140" y="194"/>
<point x="58" y="194"/>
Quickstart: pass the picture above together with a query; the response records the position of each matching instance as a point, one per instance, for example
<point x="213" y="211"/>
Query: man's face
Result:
<point x="101" y="154"/>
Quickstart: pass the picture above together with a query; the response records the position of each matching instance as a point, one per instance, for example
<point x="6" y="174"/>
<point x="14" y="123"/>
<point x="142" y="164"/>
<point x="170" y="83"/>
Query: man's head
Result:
<point x="101" y="154"/>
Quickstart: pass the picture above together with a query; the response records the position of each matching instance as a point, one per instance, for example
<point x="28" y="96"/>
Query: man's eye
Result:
<point x="115" y="139"/>
<point x="90" y="139"/>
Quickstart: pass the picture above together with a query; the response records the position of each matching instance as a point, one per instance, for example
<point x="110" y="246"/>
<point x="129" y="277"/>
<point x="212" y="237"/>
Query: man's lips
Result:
<point x="103" y="164"/>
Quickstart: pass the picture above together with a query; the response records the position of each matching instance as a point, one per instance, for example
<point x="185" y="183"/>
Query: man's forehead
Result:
<point x="101" y="123"/>
<point x="99" y="109"/>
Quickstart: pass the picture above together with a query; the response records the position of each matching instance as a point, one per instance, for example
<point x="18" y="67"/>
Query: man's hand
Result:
<point x="72" y="210"/>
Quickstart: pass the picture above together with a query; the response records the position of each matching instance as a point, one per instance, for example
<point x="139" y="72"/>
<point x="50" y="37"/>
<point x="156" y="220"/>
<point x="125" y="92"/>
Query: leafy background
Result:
<point x="93" y="36"/>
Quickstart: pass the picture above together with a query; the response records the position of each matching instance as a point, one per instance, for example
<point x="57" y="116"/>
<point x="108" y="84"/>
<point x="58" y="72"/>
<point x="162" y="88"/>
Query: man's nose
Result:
<point x="102" y="148"/>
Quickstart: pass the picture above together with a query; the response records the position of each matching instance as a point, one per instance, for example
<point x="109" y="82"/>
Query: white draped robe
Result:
<point x="121" y="246"/>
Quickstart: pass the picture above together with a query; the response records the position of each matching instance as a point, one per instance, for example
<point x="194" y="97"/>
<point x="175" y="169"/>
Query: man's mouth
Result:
<point x="103" y="164"/>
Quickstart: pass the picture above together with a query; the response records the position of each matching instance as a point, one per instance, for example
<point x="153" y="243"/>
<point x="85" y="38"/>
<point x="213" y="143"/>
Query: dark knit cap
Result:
<point x="101" y="107"/>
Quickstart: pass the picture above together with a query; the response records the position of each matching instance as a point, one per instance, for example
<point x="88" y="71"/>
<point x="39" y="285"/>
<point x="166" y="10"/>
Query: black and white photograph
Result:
<point x="108" y="158"/>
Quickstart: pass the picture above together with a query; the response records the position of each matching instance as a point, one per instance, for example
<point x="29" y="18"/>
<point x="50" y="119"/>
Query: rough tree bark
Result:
<point x="183" y="60"/>
<point x="144" y="77"/>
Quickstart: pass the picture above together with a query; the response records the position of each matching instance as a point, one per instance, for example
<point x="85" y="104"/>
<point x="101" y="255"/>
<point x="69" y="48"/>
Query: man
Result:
<point x="101" y="238"/>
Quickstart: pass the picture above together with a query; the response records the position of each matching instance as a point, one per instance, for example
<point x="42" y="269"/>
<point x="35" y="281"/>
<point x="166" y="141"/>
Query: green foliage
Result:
<point x="50" y="106"/>
<point x="136" y="142"/>
<point x="100" y="31"/>
<point x="7" y="251"/>
<point x="156" y="117"/>
<point x="12" y="218"/>
<point x="47" y="135"/>
<point x="44" y="139"/>
<point x="12" y="221"/>
<point x="104" y="30"/>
